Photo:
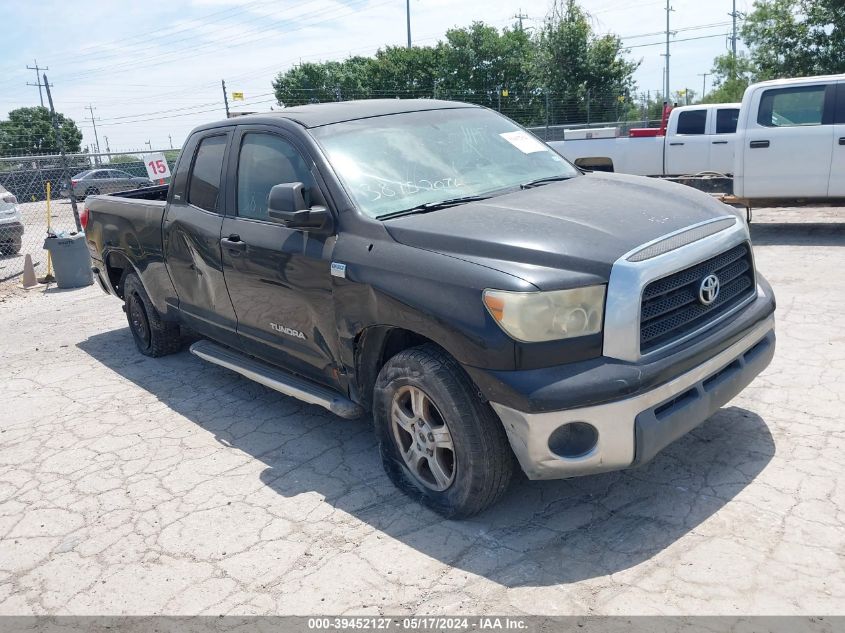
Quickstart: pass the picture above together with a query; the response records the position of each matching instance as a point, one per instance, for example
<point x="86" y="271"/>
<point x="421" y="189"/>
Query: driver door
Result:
<point x="278" y="278"/>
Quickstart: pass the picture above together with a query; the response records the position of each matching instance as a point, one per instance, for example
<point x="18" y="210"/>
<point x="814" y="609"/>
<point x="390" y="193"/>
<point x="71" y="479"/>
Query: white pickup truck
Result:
<point x="696" y="139"/>
<point x="789" y="143"/>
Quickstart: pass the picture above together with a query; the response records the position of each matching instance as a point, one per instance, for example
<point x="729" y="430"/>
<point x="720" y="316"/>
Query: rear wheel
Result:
<point x="440" y="443"/>
<point x="153" y="335"/>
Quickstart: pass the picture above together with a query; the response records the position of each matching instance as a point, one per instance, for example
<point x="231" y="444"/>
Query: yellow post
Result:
<point x="49" y="259"/>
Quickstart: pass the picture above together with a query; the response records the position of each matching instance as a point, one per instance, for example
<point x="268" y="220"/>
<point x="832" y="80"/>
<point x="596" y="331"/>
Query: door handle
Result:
<point x="234" y="244"/>
<point x="673" y="144"/>
<point x="720" y="142"/>
<point x="842" y="140"/>
<point x="759" y="144"/>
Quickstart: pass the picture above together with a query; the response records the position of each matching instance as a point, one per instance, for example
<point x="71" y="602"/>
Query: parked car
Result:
<point x="697" y="139"/>
<point x="11" y="224"/>
<point x="433" y="263"/>
<point x="96" y="181"/>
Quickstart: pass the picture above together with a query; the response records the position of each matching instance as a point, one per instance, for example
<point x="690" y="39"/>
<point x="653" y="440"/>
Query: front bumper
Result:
<point x="633" y="430"/>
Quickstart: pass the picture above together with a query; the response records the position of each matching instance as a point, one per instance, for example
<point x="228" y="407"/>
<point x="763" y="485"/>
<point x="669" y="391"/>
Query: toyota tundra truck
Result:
<point x="436" y="267"/>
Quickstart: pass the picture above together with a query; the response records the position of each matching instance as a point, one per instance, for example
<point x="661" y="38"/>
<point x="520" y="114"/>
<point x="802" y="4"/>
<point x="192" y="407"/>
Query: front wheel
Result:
<point x="440" y="443"/>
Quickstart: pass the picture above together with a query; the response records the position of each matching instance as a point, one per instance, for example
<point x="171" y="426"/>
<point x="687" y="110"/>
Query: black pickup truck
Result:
<point x="436" y="265"/>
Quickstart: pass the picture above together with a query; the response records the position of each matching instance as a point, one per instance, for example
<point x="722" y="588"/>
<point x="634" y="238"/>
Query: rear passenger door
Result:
<point x="836" y="188"/>
<point x="688" y="146"/>
<point x="192" y="237"/>
<point x="789" y="142"/>
<point x="722" y="140"/>
<point x="279" y="279"/>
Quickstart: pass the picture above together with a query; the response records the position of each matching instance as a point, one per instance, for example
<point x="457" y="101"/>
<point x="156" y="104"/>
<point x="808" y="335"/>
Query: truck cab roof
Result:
<point x="318" y="114"/>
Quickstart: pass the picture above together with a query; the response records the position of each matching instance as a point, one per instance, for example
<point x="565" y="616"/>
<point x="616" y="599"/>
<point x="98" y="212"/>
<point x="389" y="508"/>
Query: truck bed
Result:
<point x="127" y="225"/>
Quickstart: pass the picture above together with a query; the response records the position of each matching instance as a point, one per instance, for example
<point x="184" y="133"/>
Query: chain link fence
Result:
<point x="35" y="200"/>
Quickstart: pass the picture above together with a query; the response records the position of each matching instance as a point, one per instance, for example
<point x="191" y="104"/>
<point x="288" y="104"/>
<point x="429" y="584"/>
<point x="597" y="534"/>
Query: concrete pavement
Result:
<point x="131" y="485"/>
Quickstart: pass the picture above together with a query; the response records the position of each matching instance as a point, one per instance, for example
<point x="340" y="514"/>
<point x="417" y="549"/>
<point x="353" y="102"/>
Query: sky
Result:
<point x="152" y="69"/>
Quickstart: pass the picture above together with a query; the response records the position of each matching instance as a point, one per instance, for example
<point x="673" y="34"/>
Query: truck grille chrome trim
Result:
<point x="671" y="305"/>
<point x="684" y="237"/>
<point x="628" y="280"/>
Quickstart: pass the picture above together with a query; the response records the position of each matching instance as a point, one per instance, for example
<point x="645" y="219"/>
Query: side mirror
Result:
<point x="286" y="204"/>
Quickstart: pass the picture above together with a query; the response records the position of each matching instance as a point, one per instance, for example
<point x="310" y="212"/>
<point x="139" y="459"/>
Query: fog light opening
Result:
<point x="574" y="439"/>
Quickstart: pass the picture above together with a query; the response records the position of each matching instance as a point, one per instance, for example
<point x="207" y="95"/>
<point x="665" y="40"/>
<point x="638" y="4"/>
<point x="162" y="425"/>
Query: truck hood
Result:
<point x="559" y="234"/>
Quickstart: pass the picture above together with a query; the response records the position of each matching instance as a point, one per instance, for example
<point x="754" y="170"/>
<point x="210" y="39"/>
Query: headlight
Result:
<point x="533" y="317"/>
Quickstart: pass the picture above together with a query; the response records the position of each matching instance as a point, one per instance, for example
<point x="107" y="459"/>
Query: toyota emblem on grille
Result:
<point x="708" y="290"/>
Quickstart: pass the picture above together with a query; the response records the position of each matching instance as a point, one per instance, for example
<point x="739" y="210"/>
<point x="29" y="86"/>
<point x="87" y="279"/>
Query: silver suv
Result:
<point x="11" y="225"/>
<point x="97" y="181"/>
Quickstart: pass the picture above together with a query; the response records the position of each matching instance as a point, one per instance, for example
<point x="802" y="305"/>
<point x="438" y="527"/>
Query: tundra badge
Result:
<point x="287" y="330"/>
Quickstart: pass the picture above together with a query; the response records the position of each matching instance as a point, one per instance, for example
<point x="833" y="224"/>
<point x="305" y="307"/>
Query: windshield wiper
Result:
<point x="543" y="181"/>
<point x="433" y="206"/>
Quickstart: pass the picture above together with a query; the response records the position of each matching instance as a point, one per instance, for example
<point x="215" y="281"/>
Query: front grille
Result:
<point x="671" y="308"/>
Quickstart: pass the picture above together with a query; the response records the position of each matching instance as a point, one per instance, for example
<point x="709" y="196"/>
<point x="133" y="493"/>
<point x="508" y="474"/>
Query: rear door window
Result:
<point x="692" y="122"/>
<point x="726" y="120"/>
<point x="791" y="107"/>
<point x="204" y="183"/>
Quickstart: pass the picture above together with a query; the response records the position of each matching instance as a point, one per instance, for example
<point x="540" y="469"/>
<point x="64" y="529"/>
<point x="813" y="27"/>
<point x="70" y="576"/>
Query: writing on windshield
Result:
<point x="395" y="162"/>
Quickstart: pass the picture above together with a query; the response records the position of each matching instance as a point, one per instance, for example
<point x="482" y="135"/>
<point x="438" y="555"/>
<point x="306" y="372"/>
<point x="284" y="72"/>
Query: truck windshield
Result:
<point x="399" y="162"/>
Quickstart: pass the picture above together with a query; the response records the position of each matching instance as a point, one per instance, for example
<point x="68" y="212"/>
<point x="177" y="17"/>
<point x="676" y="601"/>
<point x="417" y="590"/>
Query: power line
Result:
<point x="248" y="36"/>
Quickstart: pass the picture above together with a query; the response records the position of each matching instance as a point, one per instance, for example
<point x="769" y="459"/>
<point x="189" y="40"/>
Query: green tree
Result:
<point x="796" y="38"/>
<point x="587" y="74"/>
<point x="327" y="81"/>
<point x="29" y="131"/>
<point x="407" y="72"/>
<point x="510" y="70"/>
<point x="731" y="76"/>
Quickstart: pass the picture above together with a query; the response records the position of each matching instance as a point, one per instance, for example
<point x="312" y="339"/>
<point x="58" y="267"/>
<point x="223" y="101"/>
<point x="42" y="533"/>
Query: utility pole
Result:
<point x="733" y="15"/>
<point x="704" y="83"/>
<point x="37" y="69"/>
<point x="408" y="17"/>
<point x="170" y="138"/>
<point x="108" y="151"/>
<point x="668" y="33"/>
<point x="60" y="142"/>
<point x="520" y="16"/>
<point x="96" y="140"/>
<point x="225" y="97"/>
<point x="149" y="145"/>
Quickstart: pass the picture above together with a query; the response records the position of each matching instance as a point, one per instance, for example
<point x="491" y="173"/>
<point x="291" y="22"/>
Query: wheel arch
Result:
<point x="118" y="266"/>
<point x="374" y="346"/>
<point x="595" y="163"/>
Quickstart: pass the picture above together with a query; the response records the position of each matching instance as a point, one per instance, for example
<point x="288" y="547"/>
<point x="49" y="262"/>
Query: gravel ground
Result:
<point x="131" y="485"/>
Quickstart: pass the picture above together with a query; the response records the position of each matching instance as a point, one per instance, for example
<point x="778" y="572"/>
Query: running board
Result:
<point x="277" y="379"/>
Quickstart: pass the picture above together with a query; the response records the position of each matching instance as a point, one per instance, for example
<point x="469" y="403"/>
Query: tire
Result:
<point x="432" y="392"/>
<point x="12" y="247"/>
<point x="153" y="336"/>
